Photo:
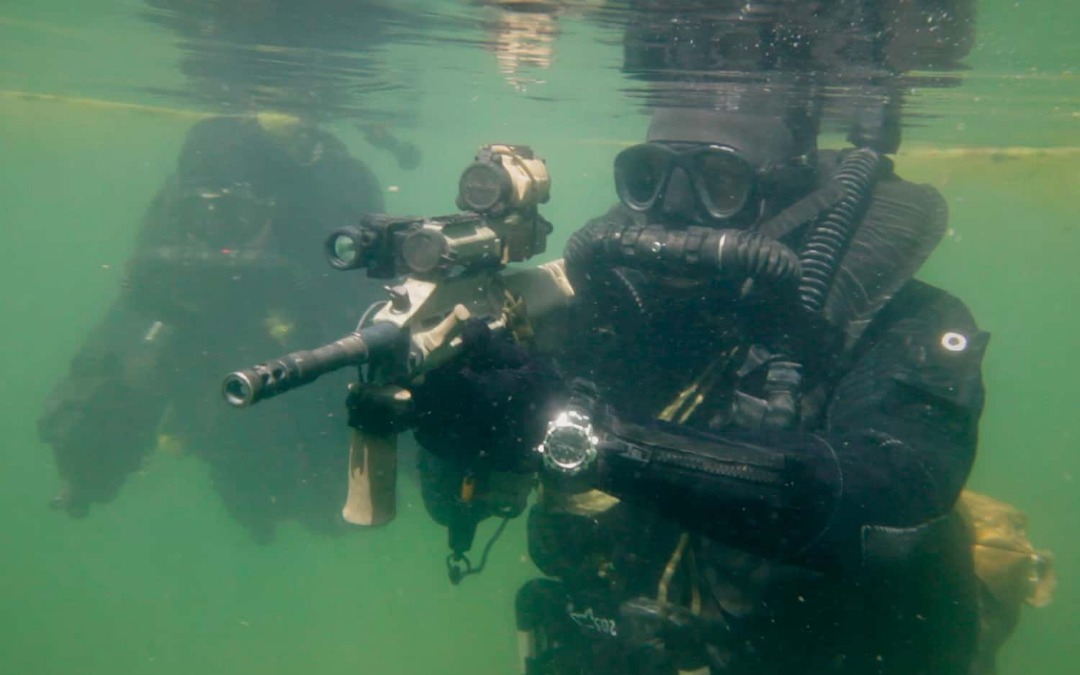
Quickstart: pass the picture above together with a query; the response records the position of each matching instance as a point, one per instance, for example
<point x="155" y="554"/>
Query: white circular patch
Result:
<point x="954" y="342"/>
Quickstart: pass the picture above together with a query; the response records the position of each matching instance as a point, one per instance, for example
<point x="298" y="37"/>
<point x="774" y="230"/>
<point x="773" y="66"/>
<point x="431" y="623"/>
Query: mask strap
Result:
<point x="803" y="211"/>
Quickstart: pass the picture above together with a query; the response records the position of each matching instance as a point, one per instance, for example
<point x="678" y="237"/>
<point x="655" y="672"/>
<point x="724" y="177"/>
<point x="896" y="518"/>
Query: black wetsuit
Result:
<point x="828" y="546"/>
<point x="202" y="295"/>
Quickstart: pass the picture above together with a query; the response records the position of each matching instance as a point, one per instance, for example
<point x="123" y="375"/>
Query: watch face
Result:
<point x="569" y="445"/>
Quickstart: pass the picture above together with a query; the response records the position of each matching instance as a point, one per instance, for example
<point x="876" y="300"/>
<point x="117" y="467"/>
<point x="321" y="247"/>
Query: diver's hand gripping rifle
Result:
<point x="449" y="269"/>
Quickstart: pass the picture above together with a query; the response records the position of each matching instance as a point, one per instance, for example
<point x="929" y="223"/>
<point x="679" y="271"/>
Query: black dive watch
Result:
<point x="569" y="446"/>
<point x="570" y="443"/>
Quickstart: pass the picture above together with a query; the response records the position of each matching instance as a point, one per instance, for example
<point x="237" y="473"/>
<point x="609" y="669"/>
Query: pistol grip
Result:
<point x="372" y="496"/>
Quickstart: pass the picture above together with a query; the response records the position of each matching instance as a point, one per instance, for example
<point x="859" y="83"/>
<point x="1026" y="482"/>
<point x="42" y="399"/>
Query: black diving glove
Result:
<point x="488" y="405"/>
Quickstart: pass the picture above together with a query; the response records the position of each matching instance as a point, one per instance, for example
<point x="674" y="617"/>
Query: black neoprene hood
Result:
<point x="761" y="140"/>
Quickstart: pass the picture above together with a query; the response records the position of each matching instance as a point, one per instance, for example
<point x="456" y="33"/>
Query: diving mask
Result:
<point x="722" y="181"/>
<point x="230" y="216"/>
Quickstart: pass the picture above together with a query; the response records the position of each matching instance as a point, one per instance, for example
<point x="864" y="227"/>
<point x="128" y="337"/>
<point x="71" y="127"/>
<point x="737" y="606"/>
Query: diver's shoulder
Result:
<point x="828" y="161"/>
<point x="931" y="305"/>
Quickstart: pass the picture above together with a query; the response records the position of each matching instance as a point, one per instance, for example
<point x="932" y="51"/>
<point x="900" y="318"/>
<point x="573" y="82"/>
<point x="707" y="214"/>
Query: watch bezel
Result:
<point x="576" y="422"/>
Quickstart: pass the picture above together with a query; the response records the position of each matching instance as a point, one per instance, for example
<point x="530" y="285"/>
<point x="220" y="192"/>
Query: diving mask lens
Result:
<point x="724" y="181"/>
<point x="640" y="172"/>
<point x="223" y="217"/>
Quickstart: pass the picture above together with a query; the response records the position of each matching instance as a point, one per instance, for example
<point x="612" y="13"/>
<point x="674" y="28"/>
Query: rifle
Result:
<point x="448" y="269"/>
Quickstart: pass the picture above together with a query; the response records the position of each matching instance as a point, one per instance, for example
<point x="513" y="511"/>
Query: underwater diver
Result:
<point x="224" y="268"/>
<point x="758" y="430"/>
<point x="752" y="434"/>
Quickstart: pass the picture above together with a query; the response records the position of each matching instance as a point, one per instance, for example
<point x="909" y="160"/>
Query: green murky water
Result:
<point x="162" y="581"/>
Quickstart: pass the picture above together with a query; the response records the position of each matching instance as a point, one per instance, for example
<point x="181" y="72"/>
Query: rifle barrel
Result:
<point x="243" y="388"/>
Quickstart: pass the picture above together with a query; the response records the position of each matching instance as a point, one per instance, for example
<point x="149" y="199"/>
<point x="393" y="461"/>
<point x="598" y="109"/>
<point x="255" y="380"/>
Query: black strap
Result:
<point x="806" y="209"/>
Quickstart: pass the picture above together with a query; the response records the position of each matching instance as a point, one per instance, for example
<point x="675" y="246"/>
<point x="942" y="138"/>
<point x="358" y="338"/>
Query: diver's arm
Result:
<point x="477" y="421"/>
<point x="480" y="417"/>
<point x="895" y="452"/>
<point x="101" y="417"/>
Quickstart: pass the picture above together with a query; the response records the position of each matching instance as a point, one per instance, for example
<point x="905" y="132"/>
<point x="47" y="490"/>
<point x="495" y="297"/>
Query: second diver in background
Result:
<point x="227" y="267"/>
